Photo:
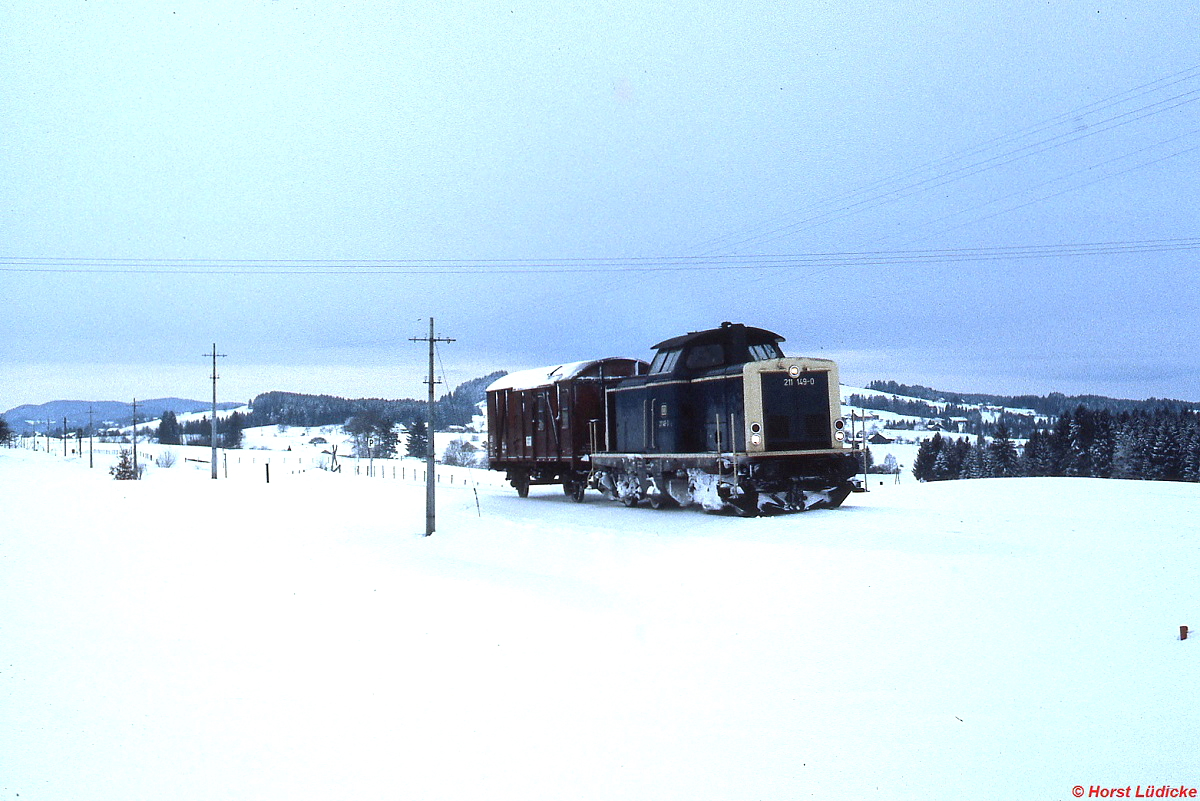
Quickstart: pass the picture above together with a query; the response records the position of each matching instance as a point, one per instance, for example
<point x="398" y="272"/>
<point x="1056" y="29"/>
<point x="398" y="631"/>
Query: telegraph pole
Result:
<point x="64" y="437"/>
<point x="135" y="467"/>
<point x="91" y="460"/>
<point x="429" y="461"/>
<point x="214" y="355"/>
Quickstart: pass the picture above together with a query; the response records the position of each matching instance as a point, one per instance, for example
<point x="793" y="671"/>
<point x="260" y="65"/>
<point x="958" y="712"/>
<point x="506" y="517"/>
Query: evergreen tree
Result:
<point x="1004" y="452"/>
<point x="230" y="430"/>
<point x="1191" y="455"/>
<point x="168" y="429"/>
<point x="1129" y="452"/>
<point x="1076" y="459"/>
<point x="977" y="463"/>
<point x="958" y="450"/>
<point x="1060" y="444"/>
<point x="1036" y="459"/>
<point x="6" y="432"/>
<point x="124" y="470"/>
<point x="1164" y="463"/>
<point x="926" y="457"/>
<point x="418" y="441"/>
<point x="1100" y="451"/>
<point x="941" y="465"/>
<point x="374" y="435"/>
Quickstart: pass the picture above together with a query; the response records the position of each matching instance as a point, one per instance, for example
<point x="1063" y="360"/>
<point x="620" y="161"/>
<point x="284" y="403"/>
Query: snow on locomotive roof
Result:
<point x="546" y="376"/>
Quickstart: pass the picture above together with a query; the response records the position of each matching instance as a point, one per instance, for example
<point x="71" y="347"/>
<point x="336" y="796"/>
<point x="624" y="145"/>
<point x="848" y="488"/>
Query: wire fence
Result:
<point x="261" y="465"/>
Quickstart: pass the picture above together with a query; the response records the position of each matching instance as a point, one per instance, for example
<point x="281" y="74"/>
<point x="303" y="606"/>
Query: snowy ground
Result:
<point x="182" y="638"/>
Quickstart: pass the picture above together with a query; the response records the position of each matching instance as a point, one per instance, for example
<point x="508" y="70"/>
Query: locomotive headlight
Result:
<point x="756" y="440"/>
<point x="794" y="371"/>
<point x="839" y="435"/>
<point x="839" y="424"/>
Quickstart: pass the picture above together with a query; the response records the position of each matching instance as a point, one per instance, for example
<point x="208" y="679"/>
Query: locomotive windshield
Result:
<point x="665" y="361"/>
<point x="707" y="355"/>
<point x="767" y="350"/>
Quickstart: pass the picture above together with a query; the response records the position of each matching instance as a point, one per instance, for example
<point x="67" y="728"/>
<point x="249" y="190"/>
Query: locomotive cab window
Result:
<point x="665" y="361"/>
<point x="703" y="356"/>
<point x="764" y="351"/>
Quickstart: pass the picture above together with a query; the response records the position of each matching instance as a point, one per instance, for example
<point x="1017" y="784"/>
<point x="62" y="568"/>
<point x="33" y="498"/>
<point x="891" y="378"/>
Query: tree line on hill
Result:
<point x="1053" y="405"/>
<point x="199" y="432"/>
<point x="294" y="409"/>
<point x="371" y="421"/>
<point x="953" y="408"/>
<point x="1018" y="425"/>
<point x="1158" y="445"/>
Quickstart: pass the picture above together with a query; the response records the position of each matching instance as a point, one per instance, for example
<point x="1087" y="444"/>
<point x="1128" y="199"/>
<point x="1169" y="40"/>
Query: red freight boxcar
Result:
<point x="544" y="424"/>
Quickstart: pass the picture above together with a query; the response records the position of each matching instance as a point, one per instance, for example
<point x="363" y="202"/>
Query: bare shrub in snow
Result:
<point x="461" y="453"/>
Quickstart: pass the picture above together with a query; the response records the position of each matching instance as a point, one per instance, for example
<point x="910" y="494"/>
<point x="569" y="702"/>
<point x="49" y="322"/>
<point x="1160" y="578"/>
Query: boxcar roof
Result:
<point x="547" y="376"/>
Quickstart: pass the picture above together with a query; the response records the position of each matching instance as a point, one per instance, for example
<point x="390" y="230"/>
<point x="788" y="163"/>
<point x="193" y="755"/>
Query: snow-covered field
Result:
<point x="182" y="638"/>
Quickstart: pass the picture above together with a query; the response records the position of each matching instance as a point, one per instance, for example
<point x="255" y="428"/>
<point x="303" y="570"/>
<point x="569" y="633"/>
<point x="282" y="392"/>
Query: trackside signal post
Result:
<point x="430" y="479"/>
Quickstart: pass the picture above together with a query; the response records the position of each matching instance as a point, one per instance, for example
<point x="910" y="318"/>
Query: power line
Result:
<point x="908" y="183"/>
<point x="587" y="266"/>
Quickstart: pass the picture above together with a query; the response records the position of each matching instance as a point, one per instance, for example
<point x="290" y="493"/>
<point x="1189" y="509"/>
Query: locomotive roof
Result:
<point x="728" y="332"/>
<point x="546" y="376"/>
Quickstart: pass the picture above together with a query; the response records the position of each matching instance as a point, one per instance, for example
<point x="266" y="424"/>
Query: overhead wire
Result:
<point x="906" y="183"/>
<point x="975" y="168"/>
<point x="581" y="266"/>
<point x="1103" y="104"/>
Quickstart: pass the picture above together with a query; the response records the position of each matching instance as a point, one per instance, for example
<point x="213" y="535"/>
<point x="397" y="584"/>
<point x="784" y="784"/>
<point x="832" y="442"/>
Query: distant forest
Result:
<point x="925" y="402"/>
<point x="1053" y="405"/>
<point x="1158" y="445"/>
<point x="289" y="408"/>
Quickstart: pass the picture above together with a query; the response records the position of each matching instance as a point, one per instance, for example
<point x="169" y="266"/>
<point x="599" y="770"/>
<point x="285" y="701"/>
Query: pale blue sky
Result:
<point x="160" y="151"/>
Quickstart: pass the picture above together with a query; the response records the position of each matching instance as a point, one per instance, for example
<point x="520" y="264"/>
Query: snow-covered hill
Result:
<point x="185" y="638"/>
<point x="900" y="435"/>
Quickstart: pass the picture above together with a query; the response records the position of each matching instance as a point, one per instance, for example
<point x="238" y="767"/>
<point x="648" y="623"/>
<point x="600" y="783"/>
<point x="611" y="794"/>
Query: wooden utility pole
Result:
<point x="91" y="425"/>
<point x="213" y="432"/>
<point x="430" y="478"/>
<point x="64" y="437"/>
<point x="135" y="466"/>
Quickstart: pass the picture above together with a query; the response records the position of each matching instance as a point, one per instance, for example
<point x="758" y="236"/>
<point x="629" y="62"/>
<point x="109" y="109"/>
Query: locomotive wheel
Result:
<point x="520" y="483"/>
<point x="746" y="504"/>
<point x="629" y="500"/>
<point x="661" y="501"/>
<point x="795" y="499"/>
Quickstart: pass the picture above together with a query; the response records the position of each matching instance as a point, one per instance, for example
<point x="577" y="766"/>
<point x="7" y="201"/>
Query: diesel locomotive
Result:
<point x="719" y="418"/>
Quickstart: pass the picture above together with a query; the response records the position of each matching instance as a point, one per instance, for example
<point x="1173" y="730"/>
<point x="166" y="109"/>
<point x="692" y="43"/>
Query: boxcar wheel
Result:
<point x="574" y="490"/>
